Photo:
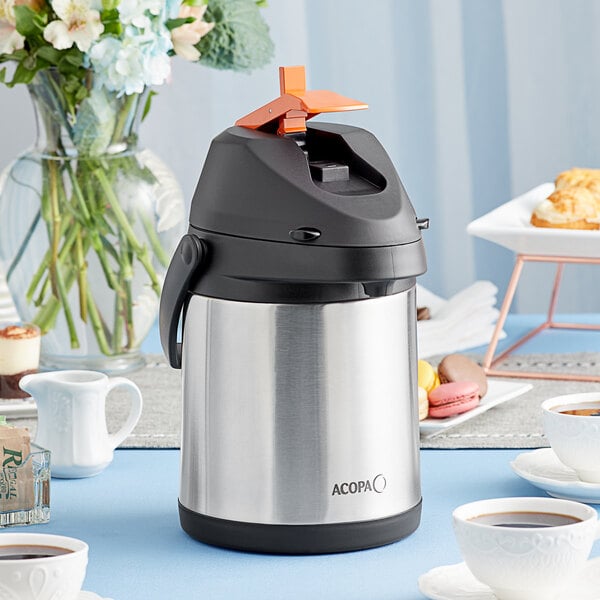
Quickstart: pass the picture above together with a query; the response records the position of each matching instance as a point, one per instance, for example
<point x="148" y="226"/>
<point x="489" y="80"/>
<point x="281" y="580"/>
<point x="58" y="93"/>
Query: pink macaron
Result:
<point x="450" y="399"/>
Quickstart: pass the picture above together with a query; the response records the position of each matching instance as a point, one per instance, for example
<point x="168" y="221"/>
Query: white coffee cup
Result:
<point x="575" y="439"/>
<point x="45" y="578"/>
<point x="72" y="419"/>
<point x="525" y="563"/>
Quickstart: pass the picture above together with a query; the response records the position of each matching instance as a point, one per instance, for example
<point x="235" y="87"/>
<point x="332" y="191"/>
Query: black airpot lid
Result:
<point x="335" y="187"/>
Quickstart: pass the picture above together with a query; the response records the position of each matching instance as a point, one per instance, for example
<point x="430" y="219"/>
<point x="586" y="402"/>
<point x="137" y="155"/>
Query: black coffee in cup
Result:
<point x="25" y="551"/>
<point x="524" y="520"/>
<point x="586" y="410"/>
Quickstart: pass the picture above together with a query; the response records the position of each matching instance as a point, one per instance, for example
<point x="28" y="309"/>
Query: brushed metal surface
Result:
<point x="282" y="403"/>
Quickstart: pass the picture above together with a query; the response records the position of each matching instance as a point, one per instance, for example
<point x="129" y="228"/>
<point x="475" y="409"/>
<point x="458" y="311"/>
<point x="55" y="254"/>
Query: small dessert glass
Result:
<point x="19" y="355"/>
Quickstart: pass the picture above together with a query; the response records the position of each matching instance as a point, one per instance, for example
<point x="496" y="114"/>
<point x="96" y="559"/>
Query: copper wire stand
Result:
<point x="489" y="362"/>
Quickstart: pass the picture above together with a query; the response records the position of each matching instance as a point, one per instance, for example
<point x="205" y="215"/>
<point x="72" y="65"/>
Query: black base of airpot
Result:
<point x="299" y="539"/>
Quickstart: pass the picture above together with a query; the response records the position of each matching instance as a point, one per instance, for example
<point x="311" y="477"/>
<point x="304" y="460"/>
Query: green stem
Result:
<point x="140" y="251"/>
<point x="118" y="325"/>
<point x="77" y="193"/>
<point x="48" y="313"/>
<point x="55" y="225"/>
<point x="129" y="317"/>
<point x="81" y="265"/>
<point x="94" y="235"/>
<point x="66" y="247"/>
<point x="97" y="325"/>
<point x="43" y="291"/>
<point x="124" y="114"/>
<point x="126" y="262"/>
<point x="157" y="248"/>
<point x="64" y="300"/>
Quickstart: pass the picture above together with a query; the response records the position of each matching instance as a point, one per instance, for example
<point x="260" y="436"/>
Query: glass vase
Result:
<point x="88" y="222"/>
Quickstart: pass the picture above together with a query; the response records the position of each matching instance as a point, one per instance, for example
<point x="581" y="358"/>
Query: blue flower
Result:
<point x="172" y="8"/>
<point x="127" y="66"/>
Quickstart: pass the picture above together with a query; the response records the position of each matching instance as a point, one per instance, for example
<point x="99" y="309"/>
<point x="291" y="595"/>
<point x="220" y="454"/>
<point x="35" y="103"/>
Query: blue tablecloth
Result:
<point x="128" y="515"/>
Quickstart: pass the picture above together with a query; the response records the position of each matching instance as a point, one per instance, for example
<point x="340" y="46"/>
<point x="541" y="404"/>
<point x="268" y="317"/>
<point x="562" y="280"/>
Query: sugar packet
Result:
<point x="16" y="472"/>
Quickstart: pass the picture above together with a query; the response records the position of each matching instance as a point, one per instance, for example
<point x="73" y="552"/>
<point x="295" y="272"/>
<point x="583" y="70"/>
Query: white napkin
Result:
<point x="464" y="321"/>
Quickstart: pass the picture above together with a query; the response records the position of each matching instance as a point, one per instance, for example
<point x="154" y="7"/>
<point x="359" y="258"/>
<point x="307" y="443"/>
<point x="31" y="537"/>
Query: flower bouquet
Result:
<point x="88" y="220"/>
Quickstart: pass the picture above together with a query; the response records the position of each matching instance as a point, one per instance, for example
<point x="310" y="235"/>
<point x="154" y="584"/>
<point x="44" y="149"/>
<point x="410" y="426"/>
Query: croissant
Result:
<point x="575" y="177"/>
<point x="569" y="208"/>
<point x="592" y="184"/>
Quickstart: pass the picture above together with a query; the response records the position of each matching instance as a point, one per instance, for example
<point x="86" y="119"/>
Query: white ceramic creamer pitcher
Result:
<point x="72" y="419"/>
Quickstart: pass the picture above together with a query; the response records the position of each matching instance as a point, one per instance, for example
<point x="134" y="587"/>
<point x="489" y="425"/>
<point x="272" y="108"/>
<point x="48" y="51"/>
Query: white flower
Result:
<point x="10" y="38"/>
<point x="167" y="196"/>
<point x="136" y="12"/>
<point x="78" y="23"/>
<point x="187" y="36"/>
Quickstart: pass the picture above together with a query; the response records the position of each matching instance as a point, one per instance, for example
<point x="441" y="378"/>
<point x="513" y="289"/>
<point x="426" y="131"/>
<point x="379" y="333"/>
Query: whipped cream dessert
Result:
<point x="19" y="355"/>
<point x="548" y="211"/>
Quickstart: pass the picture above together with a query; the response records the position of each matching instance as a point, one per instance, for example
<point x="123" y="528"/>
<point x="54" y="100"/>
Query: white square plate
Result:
<point x="509" y="226"/>
<point x="499" y="391"/>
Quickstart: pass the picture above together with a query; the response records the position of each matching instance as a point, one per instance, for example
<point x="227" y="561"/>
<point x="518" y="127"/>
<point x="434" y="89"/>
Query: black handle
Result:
<point x="187" y="258"/>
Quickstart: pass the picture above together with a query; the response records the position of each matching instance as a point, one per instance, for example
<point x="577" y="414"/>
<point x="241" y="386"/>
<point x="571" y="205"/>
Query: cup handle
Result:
<point x="135" y="411"/>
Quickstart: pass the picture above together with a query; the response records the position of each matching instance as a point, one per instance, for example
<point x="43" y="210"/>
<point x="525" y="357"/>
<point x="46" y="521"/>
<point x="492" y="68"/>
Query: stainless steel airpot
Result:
<point x="296" y="285"/>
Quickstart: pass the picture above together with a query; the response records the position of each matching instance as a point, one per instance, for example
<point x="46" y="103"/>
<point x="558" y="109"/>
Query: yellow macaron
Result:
<point x="423" y="404"/>
<point x="427" y="376"/>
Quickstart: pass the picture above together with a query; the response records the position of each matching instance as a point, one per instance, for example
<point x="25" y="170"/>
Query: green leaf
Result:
<point x="174" y="23"/>
<point x="22" y="75"/>
<point x="29" y="23"/>
<point x="110" y="14"/>
<point x="73" y="57"/>
<point x="107" y="245"/>
<point x="113" y="28"/>
<point x="29" y="62"/>
<point x="95" y="123"/>
<point x="110" y="20"/>
<point x="49" y="54"/>
<point x="239" y="40"/>
<point x="17" y="55"/>
<point x="148" y="103"/>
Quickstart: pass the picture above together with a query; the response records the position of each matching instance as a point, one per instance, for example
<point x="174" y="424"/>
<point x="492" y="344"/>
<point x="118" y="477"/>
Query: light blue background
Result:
<point x="475" y="100"/>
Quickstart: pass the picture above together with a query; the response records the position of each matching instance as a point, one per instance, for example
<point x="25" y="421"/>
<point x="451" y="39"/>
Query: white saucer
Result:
<point x="543" y="469"/>
<point x="456" y="582"/>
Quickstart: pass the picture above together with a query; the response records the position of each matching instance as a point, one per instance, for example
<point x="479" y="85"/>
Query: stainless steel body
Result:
<point x="300" y="413"/>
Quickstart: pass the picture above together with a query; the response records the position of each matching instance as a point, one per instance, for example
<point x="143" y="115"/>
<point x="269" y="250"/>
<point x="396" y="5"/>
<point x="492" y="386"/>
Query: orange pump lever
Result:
<point x="296" y="104"/>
